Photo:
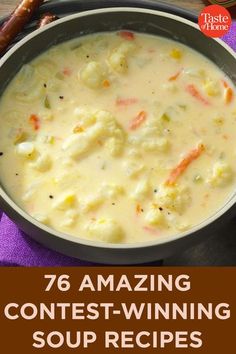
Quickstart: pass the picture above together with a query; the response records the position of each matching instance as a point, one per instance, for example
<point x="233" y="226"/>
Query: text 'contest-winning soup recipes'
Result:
<point x="119" y="137"/>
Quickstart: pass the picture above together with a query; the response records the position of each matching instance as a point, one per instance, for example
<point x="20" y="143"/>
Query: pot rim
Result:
<point x="97" y="244"/>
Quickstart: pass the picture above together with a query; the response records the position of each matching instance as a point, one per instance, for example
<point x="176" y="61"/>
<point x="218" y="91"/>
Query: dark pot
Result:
<point x="110" y="19"/>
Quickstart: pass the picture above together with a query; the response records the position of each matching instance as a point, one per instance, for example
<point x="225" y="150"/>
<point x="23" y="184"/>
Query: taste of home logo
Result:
<point x="214" y="21"/>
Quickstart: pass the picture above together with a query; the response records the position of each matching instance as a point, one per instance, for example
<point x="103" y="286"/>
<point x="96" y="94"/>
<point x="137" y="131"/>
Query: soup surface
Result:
<point x="119" y="137"/>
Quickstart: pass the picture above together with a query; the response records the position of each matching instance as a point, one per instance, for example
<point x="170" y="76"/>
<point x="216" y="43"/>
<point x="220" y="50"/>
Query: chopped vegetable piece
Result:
<point x="67" y="71"/>
<point x="196" y="94"/>
<point x="228" y="95"/>
<point x="126" y="101"/>
<point x="176" y="54"/>
<point x="138" y="120"/>
<point x="212" y="87"/>
<point x="106" y="83"/>
<point x="34" y="120"/>
<point x="165" y="117"/>
<point x="129" y="36"/>
<point x="47" y="103"/>
<point x="175" y="76"/>
<point x="182" y="166"/>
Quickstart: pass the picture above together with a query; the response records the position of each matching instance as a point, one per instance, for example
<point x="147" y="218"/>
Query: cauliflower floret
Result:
<point x="110" y="124"/>
<point x="149" y="136"/>
<point x="118" y="58"/>
<point x="76" y="145"/>
<point x="118" y="62"/>
<point x="25" y="149"/>
<point x="103" y="126"/>
<point x="65" y="201"/>
<point x="106" y="118"/>
<point x="126" y="47"/>
<point x="43" y="163"/>
<point x="222" y="174"/>
<point x="96" y="131"/>
<point x="93" y="75"/>
<point x="141" y="191"/>
<point x="86" y="116"/>
<point x="113" y="132"/>
<point x="105" y="230"/>
<point x="114" y="146"/>
<point x="155" y="217"/>
<point x="175" y="198"/>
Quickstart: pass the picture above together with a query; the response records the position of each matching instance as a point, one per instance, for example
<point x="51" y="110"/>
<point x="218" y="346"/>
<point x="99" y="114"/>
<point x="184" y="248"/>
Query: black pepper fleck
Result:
<point x="1" y="153"/>
<point x="61" y="97"/>
<point x="142" y="210"/>
<point x="160" y="208"/>
<point x="45" y="85"/>
<point x="113" y="203"/>
<point x="155" y="190"/>
<point x="87" y="56"/>
<point x="17" y="174"/>
<point x="51" y="197"/>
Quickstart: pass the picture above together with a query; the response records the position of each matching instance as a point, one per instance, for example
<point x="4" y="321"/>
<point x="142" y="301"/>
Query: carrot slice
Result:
<point x="67" y="71"/>
<point x="106" y="83"/>
<point x="126" y="101"/>
<point x="196" y="94"/>
<point x="34" y="120"/>
<point x="225" y="84"/>
<point x="182" y="166"/>
<point x="229" y="93"/>
<point x="138" y="120"/>
<point x="129" y="36"/>
<point x="174" y="77"/>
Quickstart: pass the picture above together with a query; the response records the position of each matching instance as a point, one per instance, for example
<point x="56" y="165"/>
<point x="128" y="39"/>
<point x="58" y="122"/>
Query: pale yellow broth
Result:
<point x="93" y="130"/>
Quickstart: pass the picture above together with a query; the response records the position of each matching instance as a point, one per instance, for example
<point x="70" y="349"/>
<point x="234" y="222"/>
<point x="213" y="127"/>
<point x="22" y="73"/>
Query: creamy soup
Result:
<point x="119" y="137"/>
